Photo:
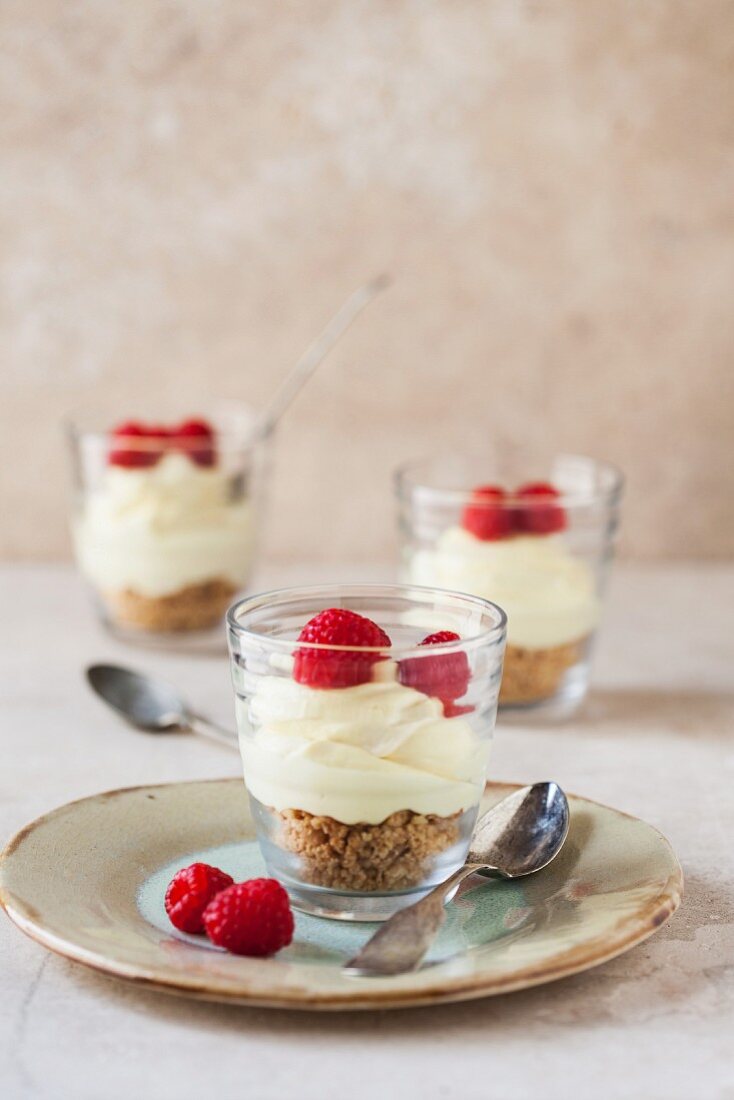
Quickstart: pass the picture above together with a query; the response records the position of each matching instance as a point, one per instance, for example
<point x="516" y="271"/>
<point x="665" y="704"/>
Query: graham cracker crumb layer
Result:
<point x="394" y="855"/>
<point x="532" y="675"/>
<point x="195" y="607"/>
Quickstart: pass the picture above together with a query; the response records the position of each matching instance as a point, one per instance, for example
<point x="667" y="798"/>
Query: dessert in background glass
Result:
<point x="365" y="714"/>
<point x="541" y="548"/>
<point x="166" y="515"/>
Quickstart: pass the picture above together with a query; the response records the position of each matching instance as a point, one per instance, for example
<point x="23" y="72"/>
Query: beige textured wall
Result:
<point x="188" y="189"/>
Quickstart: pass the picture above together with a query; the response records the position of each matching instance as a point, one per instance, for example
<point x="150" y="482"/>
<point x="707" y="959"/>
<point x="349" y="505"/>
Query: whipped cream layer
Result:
<point x="157" y="530"/>
<point x="549" y="595"/>
<point x="358" y="754"/>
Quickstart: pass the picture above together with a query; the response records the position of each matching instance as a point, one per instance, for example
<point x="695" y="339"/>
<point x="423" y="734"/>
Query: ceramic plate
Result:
<point x="88" y="881"/>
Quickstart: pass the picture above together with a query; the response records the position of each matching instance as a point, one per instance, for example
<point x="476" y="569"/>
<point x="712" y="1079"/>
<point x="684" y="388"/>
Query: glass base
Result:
<point x="360" y="872"/>
<point x="208" y="642"/>
<point x="319" y="902"/>
<point x="181" y="623"/>
<point x="562" y="704"/>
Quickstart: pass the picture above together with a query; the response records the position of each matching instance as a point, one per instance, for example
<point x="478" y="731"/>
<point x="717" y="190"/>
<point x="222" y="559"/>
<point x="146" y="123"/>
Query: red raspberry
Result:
<point x="333" y="668"/>
<point x="160" y="432"/>
<point x="190" y="891"/>
<point x="541" y="516"/>
<point x="251" y="918"/>
<point x="487" y="516"/>
<point x="455" y="710"/>
<point x="130" y="447"/>
<point x="445" y="676"/>
<point x="196" y="439"/>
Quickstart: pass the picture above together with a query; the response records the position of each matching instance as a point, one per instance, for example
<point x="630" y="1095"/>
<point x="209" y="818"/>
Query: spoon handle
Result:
<point x="318" y="350"/>
<point x="204" y="728"/>
<point x="401" y="942"/>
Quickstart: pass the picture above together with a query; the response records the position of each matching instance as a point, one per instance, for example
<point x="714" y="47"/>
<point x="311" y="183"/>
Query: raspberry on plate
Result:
<point x="487" y="516"/>
<point x="338" y="668"/>
<point x="195" y="438"/>
<point x="134" y="446"/>
<point x="250" y="918"/>
<point x="542" y="515"/>
<point x="445" y="676"/>
<point x="190" y="891"/>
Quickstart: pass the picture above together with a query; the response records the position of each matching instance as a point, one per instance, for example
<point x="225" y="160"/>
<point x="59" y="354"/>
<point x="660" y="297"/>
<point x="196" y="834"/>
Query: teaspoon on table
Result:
<point x="517" y="837"/>
<point x="151" y="705"/>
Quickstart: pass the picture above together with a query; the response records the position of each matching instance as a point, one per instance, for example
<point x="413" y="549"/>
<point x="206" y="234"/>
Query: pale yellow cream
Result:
<point x="158" y="530"/>
<point x="360" y="753"/>
<point x="548" y="594"/>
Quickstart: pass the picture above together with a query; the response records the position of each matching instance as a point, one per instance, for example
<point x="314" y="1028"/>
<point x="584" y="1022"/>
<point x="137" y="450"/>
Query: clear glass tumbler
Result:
<point x="165" y="516"/>
<point x="365" y="766"/>
<point x="540" y="548"/>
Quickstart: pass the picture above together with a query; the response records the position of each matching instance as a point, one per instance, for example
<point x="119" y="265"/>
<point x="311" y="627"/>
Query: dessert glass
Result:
<point x="550" y="583"/>
<point x="366" y="796"/>
<point x="165" y="535"/>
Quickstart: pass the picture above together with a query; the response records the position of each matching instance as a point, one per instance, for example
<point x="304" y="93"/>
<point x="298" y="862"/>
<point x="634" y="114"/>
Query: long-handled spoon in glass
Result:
<point x="518" y="836"/>
<point x="316" y="352"/>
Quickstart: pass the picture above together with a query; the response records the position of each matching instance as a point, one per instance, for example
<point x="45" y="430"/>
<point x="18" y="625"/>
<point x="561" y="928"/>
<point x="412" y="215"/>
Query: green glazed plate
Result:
<point x="88" y="882"/>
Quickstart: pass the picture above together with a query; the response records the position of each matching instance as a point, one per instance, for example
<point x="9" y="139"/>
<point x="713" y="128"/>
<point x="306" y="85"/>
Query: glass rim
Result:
<point x="292" y="594"/>
<point x="406" y="486"/>
<point x="226" y="437"/>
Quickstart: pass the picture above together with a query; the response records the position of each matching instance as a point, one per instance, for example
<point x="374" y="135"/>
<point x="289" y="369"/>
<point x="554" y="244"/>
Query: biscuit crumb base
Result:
<point x="394" y="855"/>
<point x="532" y="675"/>
<point x="195" y="607"/>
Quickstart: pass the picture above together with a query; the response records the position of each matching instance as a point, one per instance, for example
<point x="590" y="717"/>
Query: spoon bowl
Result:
<point x="147" y="703"/>
<point x="522" y="833"/>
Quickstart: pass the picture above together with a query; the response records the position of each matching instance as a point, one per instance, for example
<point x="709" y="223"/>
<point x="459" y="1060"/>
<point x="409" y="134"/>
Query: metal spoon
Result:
<point x="517" y="837"/>
<point x="151" y="705"/>
<point x="316" y="352"/>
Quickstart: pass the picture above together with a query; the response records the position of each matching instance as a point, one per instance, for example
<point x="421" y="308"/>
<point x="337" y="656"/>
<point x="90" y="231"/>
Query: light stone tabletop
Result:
<point x="656" y="739"/>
